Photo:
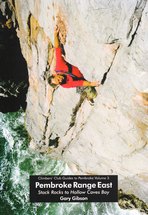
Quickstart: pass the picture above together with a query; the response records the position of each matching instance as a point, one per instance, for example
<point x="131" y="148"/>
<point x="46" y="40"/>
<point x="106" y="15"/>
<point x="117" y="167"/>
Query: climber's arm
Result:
<point x="56" y="38"/>
<point x="91" y="84"/>
<point x="80" y="83"/>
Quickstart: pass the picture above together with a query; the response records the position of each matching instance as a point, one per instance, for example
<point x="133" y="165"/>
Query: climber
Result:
<point x="66" y="74"/>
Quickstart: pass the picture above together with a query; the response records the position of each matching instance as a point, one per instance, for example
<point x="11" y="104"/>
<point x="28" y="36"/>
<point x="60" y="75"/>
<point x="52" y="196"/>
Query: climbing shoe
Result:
<point x="91" y="102"/>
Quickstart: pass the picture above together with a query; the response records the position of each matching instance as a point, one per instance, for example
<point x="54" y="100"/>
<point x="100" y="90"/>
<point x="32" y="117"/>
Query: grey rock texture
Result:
<point x="103" y="37"/>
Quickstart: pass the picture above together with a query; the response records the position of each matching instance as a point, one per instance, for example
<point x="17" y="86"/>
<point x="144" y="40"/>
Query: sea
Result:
<point x="18" y="162"/>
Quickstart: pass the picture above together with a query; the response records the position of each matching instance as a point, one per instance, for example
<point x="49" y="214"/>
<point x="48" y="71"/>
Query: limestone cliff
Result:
<point x="105" y="39"/>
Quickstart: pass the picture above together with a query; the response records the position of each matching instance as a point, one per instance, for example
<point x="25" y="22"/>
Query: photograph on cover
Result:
<point x="73" y="107"/>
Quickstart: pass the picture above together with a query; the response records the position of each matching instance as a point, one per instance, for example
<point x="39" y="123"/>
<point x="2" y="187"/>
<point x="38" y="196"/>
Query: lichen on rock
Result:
<point x="130" y="201"/>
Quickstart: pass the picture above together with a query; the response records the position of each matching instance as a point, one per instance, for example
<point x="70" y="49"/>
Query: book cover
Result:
<point x="73" y="107"/>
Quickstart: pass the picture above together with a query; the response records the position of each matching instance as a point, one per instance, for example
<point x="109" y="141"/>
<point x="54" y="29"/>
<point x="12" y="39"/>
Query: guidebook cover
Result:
<point x="73" y="107"/>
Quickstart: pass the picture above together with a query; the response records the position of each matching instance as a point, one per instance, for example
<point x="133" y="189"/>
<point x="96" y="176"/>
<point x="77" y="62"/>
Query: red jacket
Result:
<point x="61" y="66"/>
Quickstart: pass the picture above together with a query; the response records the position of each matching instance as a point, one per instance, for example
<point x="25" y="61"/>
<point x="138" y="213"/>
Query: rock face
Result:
<point x="13" y="67"/>
<point x="106" y="40"/>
